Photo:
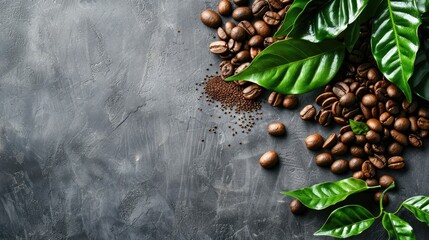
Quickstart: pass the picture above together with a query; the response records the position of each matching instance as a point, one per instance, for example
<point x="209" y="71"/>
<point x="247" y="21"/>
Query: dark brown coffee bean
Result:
<point x="423" y="123"/>
<point x="325" y="118"/>
<point x="269" y="159"/>
<point x="395" y="149"/>
<point x="314" y="142"/>
<point x="322" y="97"/>
<point x="272" y="18"/>
<point x="290" y="101"/>
<point x="242" y="67"/>
<point x="368" y="169"/>
<point x="396" y="162"/>
<point x="381" y="94"/>
<point x="357" y="151"/>
<point x="276" y="129"/>
<point x="345" y="129"/>
<point x="234" y="46"/>
<point x="248" y="27"/>
<point x="374" y="125"/>
<point x="392" y="107"/>
<point x="348" y="100"/>
<point x="415" y="140"/>
<point x="227" y="70"/>
<point x="241" y="57"/>
<point x="381" y="108"/>
<point x="227" y="55"/>
<point x="360" y="140"/>
<point x="268" y="41"/>
<point x="296" y="207"/>
<point x="402" y="124"/>
<point x="341" y="120"/>
<point x="378" y="148"/>
<point x="275" y="99"/>
<point x="358" y="175"/>
<point x="372" y="136"/>
<point x="210" y="18"/>
<point x="252" y="91"/>
<point x="362" y="70"/>
<point x="371" y="182"/>
<point x="379" y="161"/>
<point x="276" y="4"/>
<point x="262" y="28"/>
<point x="228" y="28"/>
<point x="224" y="8"/>
<point x="423" y="112"/>
<point x="423" y="133"/>
<point x="339" y="166"/>
<point x="259" y="8"/>
<point x="324" y="159"/>
<point x="339" y="149"/>
<point x="369" y="100"/>
<point x="373" y="75"/>
<point x="355" y="164"/>
<point x="218" y="47"/>
<point x="348" y="137"/>
<point x="254" y="52"/>
<point x="330" y="141"/>
<point x="409" y="107"/>
<point x="413" y="124"/>
<point x="361" y="91"/>
<point x="256" y="41"/>
<point x="377" y="197"/>
<point x="368" y="149"/>
<point x="238" y="34"/>
<point x="340" y="89"/>
<point x="386" y="119"/>
<point x="242" y="13"/>
<point x="328" y="102"/>
<point x="354" y="86"/>
<point x="399" y="137"/>
<point x="386" y="180"/>
<point x="393" y="91"/>
<point x="336" y="109"/>
<point x="308" y="112"/>
<point x="359" y="118"/>
<point x="241" y="2"/>
<point x="365" y="111"/>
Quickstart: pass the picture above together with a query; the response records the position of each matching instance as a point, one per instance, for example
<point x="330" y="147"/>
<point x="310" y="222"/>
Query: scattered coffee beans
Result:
<point x="210" y="18"/>
<point x="314" y="142"/>
<point x="296" y="207"/>
<point x="269" y="159"/>
<point x="276" y="129"/>
<point x="385" y="181"/>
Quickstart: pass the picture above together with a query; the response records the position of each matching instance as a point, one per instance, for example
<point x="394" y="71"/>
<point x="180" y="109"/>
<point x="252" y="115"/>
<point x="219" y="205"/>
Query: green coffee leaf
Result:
<point x="397" y="228"/>
<point x="419" y="206"/>
<point x="419" y="81"/>
<point x="422" y="5"/>
<point x="346" y="221"/>
<point x="395" y="42"/>
<point x="326" y="194"/>
<point x="295" y="10"/>
<point x="359" y="128"/>
<point x="294" y="66"/>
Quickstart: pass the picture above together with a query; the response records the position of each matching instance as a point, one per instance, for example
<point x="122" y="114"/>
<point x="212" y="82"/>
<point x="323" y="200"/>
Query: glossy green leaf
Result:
<point x="419" y="206"/>
<point x="294" y="66"/>
<point x="346" y="221"/>
<point x="294" y="12"/>
<point x="397" y="228"/>
<point x="419" y="81"/>
<point x="330" y="21"/>
<point x="359" y="128"/>
<point x="395" y="42"/>
<point x="422" y="5"/>
<point x="326" y="194"/>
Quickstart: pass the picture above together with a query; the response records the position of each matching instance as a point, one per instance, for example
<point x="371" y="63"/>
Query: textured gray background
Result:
<point x="101" y="137"/>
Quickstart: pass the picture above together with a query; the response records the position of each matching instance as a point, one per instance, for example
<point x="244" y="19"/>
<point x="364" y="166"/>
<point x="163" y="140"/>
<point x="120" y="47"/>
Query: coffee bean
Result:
<point x="218" y="47"/>
<point x="330" y="141"/>
<point x="369" y="100"/>
<point x="423" y="123"/>
<point x="259" y="8"/>
<point x="276" y="129"/>
<point x="238" y="34"/>
<point x="423" y="112"/>
<point x="381" y="94"/>
<point x="269" y="159"/>
<point x="399" y="137"/>
<point x="339" y="149"/>
<point x="415" y="140"/>
<point x="345" y="129"/>
<point x="386" y="180"/>
<point x="355" y="164"/>
<point x="386" y="119"/>
<point x="282" y="12"/>
<point x="348" y="100"/>
<point x="381" y="107"/>
<point x="371" y="182"/>
<point x="350" y="113"/>
<point x="396" y="162"/>
<point x="354" y="86"/>
<point x="290" y="101"/>
<point x="314" y="142"/>
<point x="379" y="161"/>
<point x="222" y="34"/>
<point x="296" y="207"/>
<point x="252" y="91"/>
<point x="360" y="92"/>
<point x="423" y="133"/>
<point x="227" y="70"/>
<point x="413" y="124"/>
<point x="377" y="197"/>
<point x="360" y="140"/>
<point x="275" y="99"/>
<point x="358" y="175"/>
<point x="368" y="169"/>
<point x="393" y="91"/>
<point x="234" y="46"/>
<point x="372" y="136"/>
<point x="322" y="97"/>
<point x="409" y="107"/>
<point x="341" y="121"/>
<point x="210" y="18"/>
<point x="357" y="151"/>
<point x="272" y="18"/>
<point x="348" y="137"/>
<point x="242" y="67"/>
<point x="339" y="166"/>
<point x="365" y="111"/>
<point x="402" y="124"/>
<point x="374" y="125"/>
<point x="268" y="41"/>
<point x="362" y="70"/>
<point x="262" y="28"/>
<point x="324" y="159"/>
<point x="394" y="149"/>
<point x="374" y="112"/>
<point x="228" y="28"/>
<point x="373" y="75"/>
<point x="325" y="118"/>
<point x="242" y="13"/>
<point x="224" y="8"/>
<point x="241" y="57"/>
<point x="340" y="89"/>
<point x="368" y="149"/>
<point x="248" y="27"/>
<point x="254" y="52"/>
<point x="378" y="148"/>
<point x="328" y="102"/>
<point x="276" y="4"/>
<point x="241" y="2"/>
<point x="308" y="112"/>
<point x="256" y="41"/>
<point x="336" y="109"/>
<point x="392" y="107"/>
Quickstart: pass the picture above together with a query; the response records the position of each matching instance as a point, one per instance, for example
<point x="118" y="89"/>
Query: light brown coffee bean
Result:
<point x="242" y="13"/>
<point x="290" y="101"/>
<point x="262" y="28"/>
<point x="373" y="136"/>
<point x="348" y="137"/>
<point x="369" y="100"/>
<point x="252" y="91"/>
<point x="330" y="141"/>
<point x="269" y="159"/>
<point x="275" y="99"/>
<point x="357" y="151"/>
<point x="248" y="27"/>
<point x="259" y="8"/>
<point x="218" y="47"/>
<point x="276" y="129"/>
<point x="393" y="91"/>
<point x="399" y="137"/>
<point x="308" y="112"/>
<point x="379" y="161"/>
<point x="238" y="34"/>
<point x="374" y="125"/>
<point x="358" y="175"/>
<point x="210" y="18"/>
<point x="228" y="28"/>
<point x="396" y="162"/>
<point x="296" y="207"/>
<point x="368" y="169"/>
<point x="402" y="124"/>
<point x="322" y="97"/>
<point x="415" y="140"/>
<point x="395" y="149"/>
<point x="340" y="89"/>
<point x="272" y="18"/>
<point x="224" y="8"/>
<point x="314" y="142"/>
<point x="386" y="119"/>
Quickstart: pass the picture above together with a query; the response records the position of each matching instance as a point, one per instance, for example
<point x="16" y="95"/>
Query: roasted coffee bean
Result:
<point x="222" y="34"/>
<point x="252" y="91"/>
<point x="272" y="18"/>
<point x="275" y="99"/>
<point x="339" y="166"/>
<point x="276" y="4"/>
<point x="368" y="149"/>
<point x="360" y="140"/>
<point x="259" y="8"/>
<point x="242" y="67"/>
<point x="345" y="129"/>
<point x="392" y="107"/>
<point x="394" y="149"/>
<point x="355" y="164"/>
<point x="227" y="70"/>
<point x="386" y="180"/>
<point x="241" y="2"/>
<point x="341" y="120"/>
<point x="290" y="101"/>
<point x="373" y="75"/>
<point x="365" y="111"/>
<point x="362" y="70"/>
<point x="374" y="112"/>
<point x="393" y="91"/>
<point x="379" y="161"/>
<point x="374" y="125"/>
<point x="381" y="94"/>
<point x="241" y="57"/>
<point x="340" y="89"/>
<point x="348" y="100"/>
<point x="336" y="109"/>
<point x="269" y="159"/>
<point x="354" y="86"/>
<point x="369" y="100"/>
<point x="358" y="175"/>
<point x="314" y="142"/>
<point x="228" y="28"/>
<point x="256" y="41"/>
<point x="339" y="149"/>
<point x="248" y="27"/>
<point x="296" y="207"/>
<point x="242" y="13"/>
<point x="238" y="34"/>
<point x="322" y="97"/>
<point x="317" y="116"/>
<point x="377" y="197"/>
<point x="381" y="108"/>
<point x="423" y="112"/>
<point x="210" y="18"/>
<point x="356" y="56"/>
<point x="224" y="8"/>
<point x="325" y="118"/>
<point x="360" y="92"/>
<point x="399" y="137"/>
<point x="254" y="52"/>
<point x="402" y="124"/>
<point x="350" y="113"/>
<point x="357" y="151"/>
<point x="282" y="12"/>
<point x="423" y="123"/>
<point x="348" y="137"/>
<point x="368" y="169"/>
<point x="330" y="141"/>
<point x="328" y="102"/>
<point x="218" y="47"/>
<point x="268" y="41"/>
<point x="415" y="140"/>
<point x="396" y="162"/>
<point x="372" y="136"/>
<point x="386" y="119"/>
<point x="413" y="124"/>
<point x="308" y="112"/>
<point x="324" y="159"/>
<point x="262" y="28"/>
<point x="409" y="107"/>
<point x="227" y="55"/>
<point x="422" y="133"/>
<point x="378" y="148"/>
<point x="371" y="182"/>
<point x="276" y="129"/>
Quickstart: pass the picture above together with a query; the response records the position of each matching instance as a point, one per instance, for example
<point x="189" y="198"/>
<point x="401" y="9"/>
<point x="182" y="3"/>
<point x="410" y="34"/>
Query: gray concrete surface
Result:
<point x="101" y="136"/>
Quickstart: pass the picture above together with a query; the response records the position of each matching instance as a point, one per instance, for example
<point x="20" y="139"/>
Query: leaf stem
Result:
<point x="382" y="196"/>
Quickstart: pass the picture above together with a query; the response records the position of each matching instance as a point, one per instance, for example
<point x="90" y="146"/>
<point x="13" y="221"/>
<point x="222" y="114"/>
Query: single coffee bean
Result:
<point x="241" y="2"/>
<point x="339" y="166"/>
<point x="396" y="162"/>
<point x="372" y="136"/>
<point x="365" y="111"/>
<point x="339" y="149"/>
<point x="252" y="91"/>
<point x="272" y="18"/>
<point x="314" y="142"/>
<point x="415" y="140"/>
<point x="234" y="46"/>
<point x="368" y="149"/>
<point x="377" y="197"/>
<point x="393" y="91"/>
<point x="340" y="89"/>
<point x="262" y="28"/>
<point x="227" y="55"/>
<point x="282" y="12"/>
<point x="378" y="148"/>
<point x="276" y="129"/>
<point x="242" y="67"/>
<point x="354" y="86"/>
<point x="348" y="137"/>
<point x="381" y="94"/>
<point x="276" y="4"/>
<point x="423" y="133"/>
<point x="413" y="124"/>
<point x="328" y="102"/>
<point x="402" y="124"/>
<point x="341" y="120"/>
<point x="392" y="107"/>
<point x="360" y="140"/>
<point x="322" y="97"/>
<point x="238" y="34"/>
<point x="409" y="107"/>
<point x="399" y="137"/>
<point x="222" y="34"/>
<point x="308" y="112"/>
<point x="275" y="99"/>
<point x="268" y="41"/>
<point x="371" y="182"/>
<point x="254" y="52"/>
<point x="358" y="175"/>
<point x="386" y="180"/>
<point x="296" y="207"/>
<point x="330" y="141"/>
<point x="423" y="112"/>
<point x="242" y="13"/>
<point x="368" y="169"/>
<point x="224" y="8"/>
<point x="355" y="164"/>
<point x="259" y="8"/>
<point x="394" y="149"/>
<point x="248" y="27"/>
<point x="423" y="123"/>
<point x="362" y="70"/>
<point x="379" y="161"/>
<point x="345" y="129"/>
<point x="369" y="100"/>
<point x="386" y="119"/>
<point x="228" y="28"/>
<point x="218" y="47"/>
<point x="210" y="18"/>
<point x="361" y="91"/>
<point x="324" y="159"/>
<point x="256" y="41"/>
<point x="374" y="112"/>
<point x="227" y="70"/>
<point x="373" y="75"/>
<point x="242" y="57"/>
<point x="336" y="109"/>
<point x="357" y="151"/>
<point x="325" y="118"/>
<point x="269" y="159"/>
<point x="290" y="101"/>
<point x="374" y="125"/>
<point x="348" y="100"/>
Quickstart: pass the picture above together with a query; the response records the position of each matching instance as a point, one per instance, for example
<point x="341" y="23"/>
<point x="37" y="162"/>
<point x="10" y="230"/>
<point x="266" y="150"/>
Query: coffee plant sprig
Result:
<point x="310" y="57"/>
<point x="352" y="220"/>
